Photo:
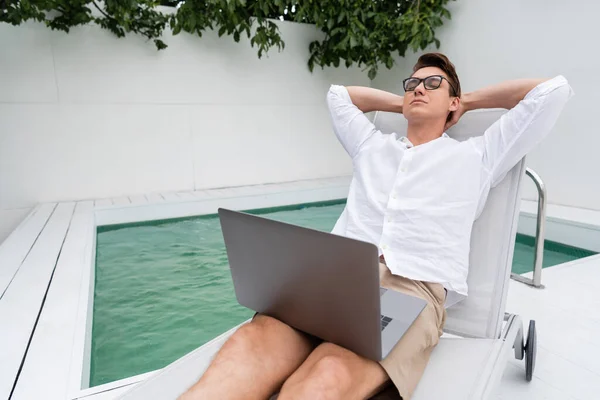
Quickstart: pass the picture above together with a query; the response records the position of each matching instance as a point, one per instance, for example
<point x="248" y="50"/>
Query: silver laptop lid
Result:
<point x="317" y="282"/>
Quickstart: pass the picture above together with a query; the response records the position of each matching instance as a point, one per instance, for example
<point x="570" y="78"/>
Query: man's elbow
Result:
<point x="337" y="96"/>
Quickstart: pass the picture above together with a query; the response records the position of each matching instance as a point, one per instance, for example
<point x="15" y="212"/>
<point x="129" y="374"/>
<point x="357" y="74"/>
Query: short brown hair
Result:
<point x="442" y="62"/>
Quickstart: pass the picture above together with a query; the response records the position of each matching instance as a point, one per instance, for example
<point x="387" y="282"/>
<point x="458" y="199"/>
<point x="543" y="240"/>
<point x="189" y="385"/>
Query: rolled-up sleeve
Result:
<point x="519" y="130"/>
<point x="351" y="126"/>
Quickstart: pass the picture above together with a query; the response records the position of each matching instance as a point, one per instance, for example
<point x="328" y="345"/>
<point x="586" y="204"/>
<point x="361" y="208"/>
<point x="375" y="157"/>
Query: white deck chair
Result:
<point x="461" y="368"/>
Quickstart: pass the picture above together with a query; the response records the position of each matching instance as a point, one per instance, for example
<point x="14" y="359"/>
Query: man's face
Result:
<point x="422" y="104"/>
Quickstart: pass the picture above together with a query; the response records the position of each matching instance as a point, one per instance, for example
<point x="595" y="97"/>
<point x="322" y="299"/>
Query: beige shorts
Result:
<point x="406" y="362"/>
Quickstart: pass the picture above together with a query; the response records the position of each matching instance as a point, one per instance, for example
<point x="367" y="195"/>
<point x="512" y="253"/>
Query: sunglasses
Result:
<point x="430" y="83"/>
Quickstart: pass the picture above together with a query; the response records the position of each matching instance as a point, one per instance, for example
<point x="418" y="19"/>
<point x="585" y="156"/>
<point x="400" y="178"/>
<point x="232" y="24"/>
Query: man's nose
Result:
<point x="420" y="89"/>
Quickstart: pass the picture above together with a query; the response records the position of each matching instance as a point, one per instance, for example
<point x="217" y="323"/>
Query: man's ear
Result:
<point x="454" y="104"/>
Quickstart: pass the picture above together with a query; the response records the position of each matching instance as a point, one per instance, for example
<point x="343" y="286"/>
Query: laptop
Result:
<point x="319" y="283"/>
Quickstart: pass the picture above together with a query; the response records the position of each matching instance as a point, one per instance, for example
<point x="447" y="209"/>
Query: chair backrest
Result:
<point x="492" y="241"/>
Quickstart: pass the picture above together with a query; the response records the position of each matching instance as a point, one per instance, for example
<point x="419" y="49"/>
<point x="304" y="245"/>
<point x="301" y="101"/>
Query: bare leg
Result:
<point x="254" y="362"/>
<point x="332" y="372"/>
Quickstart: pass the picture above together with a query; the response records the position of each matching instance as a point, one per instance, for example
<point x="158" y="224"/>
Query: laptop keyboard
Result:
<point x="385" y="321"/>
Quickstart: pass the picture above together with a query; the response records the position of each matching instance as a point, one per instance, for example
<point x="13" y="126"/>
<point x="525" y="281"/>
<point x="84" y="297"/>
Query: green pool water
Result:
<point x="163" y="289"/>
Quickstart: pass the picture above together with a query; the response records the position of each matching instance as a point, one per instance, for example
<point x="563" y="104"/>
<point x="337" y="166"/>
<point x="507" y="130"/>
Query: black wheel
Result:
<point x="530" y="351"/>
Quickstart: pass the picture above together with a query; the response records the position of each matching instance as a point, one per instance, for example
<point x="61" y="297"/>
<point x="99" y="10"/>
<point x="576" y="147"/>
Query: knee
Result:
<point x="333" y="373"/>
<point x="250" y="336"/>
<point x="329" y="379"/>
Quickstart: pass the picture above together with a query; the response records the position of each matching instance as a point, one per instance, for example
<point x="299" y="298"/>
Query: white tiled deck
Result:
<point x="45" y="275"/>
<point x="567" y="315"/>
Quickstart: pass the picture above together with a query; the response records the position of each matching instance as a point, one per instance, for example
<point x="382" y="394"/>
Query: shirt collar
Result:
<point x="409" y="145"/>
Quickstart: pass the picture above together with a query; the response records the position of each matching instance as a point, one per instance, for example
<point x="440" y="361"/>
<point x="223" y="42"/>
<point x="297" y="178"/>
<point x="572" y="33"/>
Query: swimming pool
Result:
<point x="163" y="289"/>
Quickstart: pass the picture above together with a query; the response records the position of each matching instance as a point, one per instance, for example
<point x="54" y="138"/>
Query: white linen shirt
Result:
<point x="418" y="203"/>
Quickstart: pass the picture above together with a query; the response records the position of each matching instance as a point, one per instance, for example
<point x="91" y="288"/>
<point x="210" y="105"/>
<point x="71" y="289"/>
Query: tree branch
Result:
<point x="101" y="10"/>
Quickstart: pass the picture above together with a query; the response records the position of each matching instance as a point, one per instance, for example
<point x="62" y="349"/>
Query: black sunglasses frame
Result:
<point x="423" y="80"/>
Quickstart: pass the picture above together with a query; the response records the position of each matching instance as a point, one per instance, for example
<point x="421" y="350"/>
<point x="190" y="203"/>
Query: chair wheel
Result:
<point x="530" y="351"/>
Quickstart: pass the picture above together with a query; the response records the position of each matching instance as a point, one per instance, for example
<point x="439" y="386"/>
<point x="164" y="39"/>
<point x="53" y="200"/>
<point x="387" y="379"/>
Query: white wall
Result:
<point x="87" y="115"/>
<point x="492" y="40"/>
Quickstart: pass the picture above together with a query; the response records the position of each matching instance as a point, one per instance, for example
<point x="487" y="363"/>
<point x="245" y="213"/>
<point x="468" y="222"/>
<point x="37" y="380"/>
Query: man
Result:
<point x="416" y="197"/>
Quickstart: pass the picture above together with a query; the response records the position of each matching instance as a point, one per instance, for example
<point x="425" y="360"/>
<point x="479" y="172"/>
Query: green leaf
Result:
<point x="414" y="43"/>
<point x="372" y="73"/>
<point x="222" y="31"/>
<point x="343" y="43"/>
<point x="330" y="23"/>
<point x="335" y="31"/>
<point x="176" y="29"/>
<point x="353" y="42"/>
<point x="415" y="29"/>
<point x="160" y="45"/>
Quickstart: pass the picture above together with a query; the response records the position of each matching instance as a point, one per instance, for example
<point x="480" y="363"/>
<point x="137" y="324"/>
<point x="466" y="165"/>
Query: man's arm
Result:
<point x="534" y="107"/>
<point x="347" y="106"/>
<point x="503" y="95"/>
<point x="369" y="99"/>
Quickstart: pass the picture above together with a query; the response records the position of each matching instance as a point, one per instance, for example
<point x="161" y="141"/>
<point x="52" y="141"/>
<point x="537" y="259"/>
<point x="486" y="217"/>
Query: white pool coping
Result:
<point x="568" y="225"/>
<point x="47" y="275"/>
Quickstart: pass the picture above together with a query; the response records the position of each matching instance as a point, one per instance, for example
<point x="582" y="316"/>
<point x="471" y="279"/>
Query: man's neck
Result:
<point x="423" y="132"/>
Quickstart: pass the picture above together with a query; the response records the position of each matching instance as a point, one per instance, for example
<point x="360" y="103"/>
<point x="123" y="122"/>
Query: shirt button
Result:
<point x="384" y="247"/>
<point x="394" y="196"/>
<point x="389" y="219"/>
<point x="403" y="169"/>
